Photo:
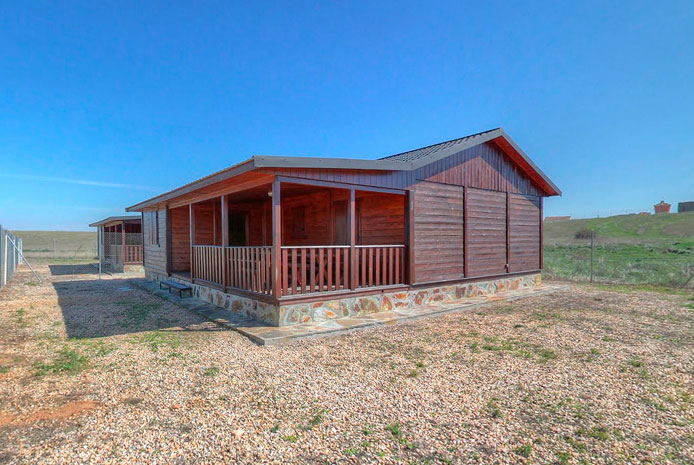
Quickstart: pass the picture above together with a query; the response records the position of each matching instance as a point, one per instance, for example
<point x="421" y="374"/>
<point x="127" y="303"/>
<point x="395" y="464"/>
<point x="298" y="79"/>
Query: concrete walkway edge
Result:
<point x="262" y="334"/>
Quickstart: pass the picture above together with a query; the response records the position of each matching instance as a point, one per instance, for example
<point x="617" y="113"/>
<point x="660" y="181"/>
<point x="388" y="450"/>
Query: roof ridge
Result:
<point x="439" y="143"/>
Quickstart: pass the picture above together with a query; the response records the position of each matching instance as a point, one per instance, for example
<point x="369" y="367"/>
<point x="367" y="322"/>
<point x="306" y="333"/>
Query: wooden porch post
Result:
<point x="352" y="224"/>
<point x="410" y="237"/>
<point x="276" y="239"/>
<point x="191" y="220"/>
<point x="169" y="243"/>
<point x="122" y="249"/>
<point x="225" y="241"/>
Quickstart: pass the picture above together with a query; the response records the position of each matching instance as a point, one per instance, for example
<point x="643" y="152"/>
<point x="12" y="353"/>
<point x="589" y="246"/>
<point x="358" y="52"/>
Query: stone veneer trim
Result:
<point x="292" y="314"/>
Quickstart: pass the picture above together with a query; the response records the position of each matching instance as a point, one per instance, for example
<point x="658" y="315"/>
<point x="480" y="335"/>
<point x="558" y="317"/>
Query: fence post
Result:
<point x="3" y="257"/>
<point x="592" y="240"/>
<point x="5" y="252"/>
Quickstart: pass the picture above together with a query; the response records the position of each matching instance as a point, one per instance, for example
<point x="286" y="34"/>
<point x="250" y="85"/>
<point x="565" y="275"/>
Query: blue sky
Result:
<point x="104" y="104"/>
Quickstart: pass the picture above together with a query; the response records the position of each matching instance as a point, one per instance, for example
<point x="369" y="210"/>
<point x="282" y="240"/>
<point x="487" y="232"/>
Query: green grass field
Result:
<point x="632" y="249"/>
<point x="58" y="245"/>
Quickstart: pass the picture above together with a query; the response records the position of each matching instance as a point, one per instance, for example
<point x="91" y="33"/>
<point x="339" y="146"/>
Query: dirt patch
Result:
<point x="62" y="412"/>
<point x="6" y="418"/>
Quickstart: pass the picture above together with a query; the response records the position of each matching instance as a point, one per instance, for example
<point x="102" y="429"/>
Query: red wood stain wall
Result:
<point x="380" y="219"/>
<point x="438" y="232"/>
<point x="180" y="239"/>
<point x="484" y="166"/>
<point x="524" y="231"/>
<point x="486" y="223"/>
<point x="208" y="228"/>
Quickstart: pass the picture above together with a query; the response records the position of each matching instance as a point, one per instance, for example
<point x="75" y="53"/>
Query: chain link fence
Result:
<point x="59" y="246"/>
<point x="10" y="255"/>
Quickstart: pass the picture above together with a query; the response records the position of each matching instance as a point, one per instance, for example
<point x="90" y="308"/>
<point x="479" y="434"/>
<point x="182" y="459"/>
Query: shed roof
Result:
<point x="111" y="219"/>
<point x="405" y="161"/>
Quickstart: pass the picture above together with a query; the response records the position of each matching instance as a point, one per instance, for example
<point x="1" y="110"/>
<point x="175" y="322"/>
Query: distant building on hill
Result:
<point x="684" y="207"/>
<point x="662" y="207"/>
<point x="550" y="219"/>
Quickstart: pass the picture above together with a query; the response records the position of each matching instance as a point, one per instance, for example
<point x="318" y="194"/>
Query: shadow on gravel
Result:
<point x="64" y="270"/>
<point x="99" y="308"/>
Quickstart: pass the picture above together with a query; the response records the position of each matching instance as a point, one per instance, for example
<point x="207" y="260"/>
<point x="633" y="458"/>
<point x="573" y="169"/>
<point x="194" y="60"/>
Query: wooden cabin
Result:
<point x="291" y="239"/>
<point x="119" y="242"/>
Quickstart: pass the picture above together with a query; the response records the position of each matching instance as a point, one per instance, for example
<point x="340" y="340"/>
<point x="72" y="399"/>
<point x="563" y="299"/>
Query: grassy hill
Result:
<point x="630" y="229"/>
<point x="639" y="249"/>
<point x="61" y="245"/>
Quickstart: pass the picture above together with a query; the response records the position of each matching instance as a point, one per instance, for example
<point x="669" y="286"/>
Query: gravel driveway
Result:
<point x="101" y="372"/>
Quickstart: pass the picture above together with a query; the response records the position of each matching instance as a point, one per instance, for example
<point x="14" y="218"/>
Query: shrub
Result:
<point x="584" y="233"/>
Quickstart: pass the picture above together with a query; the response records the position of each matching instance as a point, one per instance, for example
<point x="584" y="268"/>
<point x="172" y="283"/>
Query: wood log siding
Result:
<point x="524" y="233"/>
<point x="438" y="232"/>
<point x="155" y="255"/>
<point x="486" y="232"/>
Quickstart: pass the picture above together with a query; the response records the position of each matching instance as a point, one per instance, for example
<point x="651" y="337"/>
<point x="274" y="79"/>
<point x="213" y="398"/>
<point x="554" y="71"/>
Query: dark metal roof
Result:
<point x="414" y="155"/>
<point x="116" y="218"/>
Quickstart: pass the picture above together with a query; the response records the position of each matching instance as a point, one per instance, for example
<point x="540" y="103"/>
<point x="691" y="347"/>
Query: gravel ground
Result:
<point x="102" y="372"/>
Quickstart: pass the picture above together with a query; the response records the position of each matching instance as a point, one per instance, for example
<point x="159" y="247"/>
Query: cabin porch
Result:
<point x="292" y="241"/>
<point x="120" y="243"/>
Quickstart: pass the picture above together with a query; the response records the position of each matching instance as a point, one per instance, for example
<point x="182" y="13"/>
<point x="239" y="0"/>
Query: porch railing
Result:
<point x="303" y="269"/>
<point x="249" y="268"/>
<point x="314" y="269"/>
<point x="245" y="268"/>
<point x="380" y="265"/>
<point x="208" y="263"/>
<point x="133" y="254"/>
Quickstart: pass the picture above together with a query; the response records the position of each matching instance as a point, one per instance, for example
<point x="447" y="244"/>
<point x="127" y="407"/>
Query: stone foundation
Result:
<point x="292" y="314"/>
<point x="384" y="302"/>
<point x="249" y="307"/>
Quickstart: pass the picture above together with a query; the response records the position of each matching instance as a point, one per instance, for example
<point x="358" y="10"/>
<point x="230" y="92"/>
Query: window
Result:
<point x="152" y="219"/>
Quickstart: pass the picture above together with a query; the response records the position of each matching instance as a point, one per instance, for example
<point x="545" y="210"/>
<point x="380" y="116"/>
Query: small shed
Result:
<point x="684" y="207"/>
<point x="119" y="242"/>
<point x="662" y="207"/>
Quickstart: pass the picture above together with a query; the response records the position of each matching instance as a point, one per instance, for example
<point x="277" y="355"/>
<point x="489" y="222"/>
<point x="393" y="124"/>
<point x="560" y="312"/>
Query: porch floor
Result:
<point x="263" y="334"/>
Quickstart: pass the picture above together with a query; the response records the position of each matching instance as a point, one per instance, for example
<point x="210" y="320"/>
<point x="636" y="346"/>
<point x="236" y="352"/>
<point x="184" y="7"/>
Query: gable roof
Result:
<point x="405" y="161"/>
<point x="424" y="152"/>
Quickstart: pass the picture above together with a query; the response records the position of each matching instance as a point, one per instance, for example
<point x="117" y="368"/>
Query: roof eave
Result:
<point x="235" y="170"/>
<point x="114" y="218"/>
<point x="551" y="188"/>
